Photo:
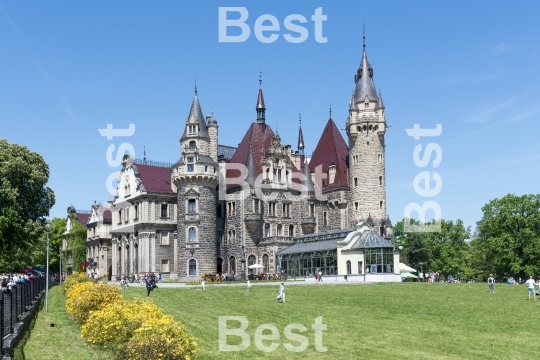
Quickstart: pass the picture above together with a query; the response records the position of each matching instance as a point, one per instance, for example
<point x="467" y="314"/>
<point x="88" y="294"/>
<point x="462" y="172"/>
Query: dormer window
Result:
<point x="192" y="129"/>
<point x="276" y="161"/>
<point x="192" y="144"/>
<point x="366" y="105"/>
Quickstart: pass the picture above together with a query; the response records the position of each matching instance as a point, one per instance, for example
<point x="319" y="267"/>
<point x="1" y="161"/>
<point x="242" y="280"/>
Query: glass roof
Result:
<point x="370" y="239"/>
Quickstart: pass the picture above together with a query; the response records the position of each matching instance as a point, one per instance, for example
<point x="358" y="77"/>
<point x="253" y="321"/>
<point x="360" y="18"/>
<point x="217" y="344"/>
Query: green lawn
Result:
<point x="371" y="321"/>
<point x="63" y="341"/>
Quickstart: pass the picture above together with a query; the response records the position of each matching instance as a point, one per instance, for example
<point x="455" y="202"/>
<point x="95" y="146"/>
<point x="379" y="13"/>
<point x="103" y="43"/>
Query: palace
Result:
<point x="221" y="209"/>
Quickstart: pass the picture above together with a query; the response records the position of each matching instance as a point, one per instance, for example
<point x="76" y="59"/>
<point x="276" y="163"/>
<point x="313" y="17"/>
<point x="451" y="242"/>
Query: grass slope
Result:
<point x="63" y="341"/>
<point x="372" y="321"/>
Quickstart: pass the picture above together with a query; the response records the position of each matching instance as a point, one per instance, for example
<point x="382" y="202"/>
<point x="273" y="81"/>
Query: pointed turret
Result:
<point x="380" y="104"/>
<point x="261" y="108"/>
<point x="195" y="118"/>
<point x="364" y="80"/>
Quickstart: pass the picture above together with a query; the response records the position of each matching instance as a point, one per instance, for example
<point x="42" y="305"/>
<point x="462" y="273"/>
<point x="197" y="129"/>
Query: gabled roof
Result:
<point x="258" y="138"/>
<point x="155" y="179"/>
<point x="83" y="218"/>
<point x="370" y="239"/>
<point x="331" y="149"/>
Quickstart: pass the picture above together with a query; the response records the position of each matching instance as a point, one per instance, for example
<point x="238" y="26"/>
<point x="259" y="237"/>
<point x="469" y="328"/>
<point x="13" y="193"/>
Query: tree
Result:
<point x="25" y="201"/>
<point x="509" y="233"/>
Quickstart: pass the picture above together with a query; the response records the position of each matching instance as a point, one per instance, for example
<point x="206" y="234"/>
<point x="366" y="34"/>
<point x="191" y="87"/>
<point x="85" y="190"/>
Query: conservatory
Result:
<point x="311" y="253"/>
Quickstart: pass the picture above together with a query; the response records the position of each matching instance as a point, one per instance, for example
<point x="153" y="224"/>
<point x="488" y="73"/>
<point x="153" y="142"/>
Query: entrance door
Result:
<point x="219" y="265"/>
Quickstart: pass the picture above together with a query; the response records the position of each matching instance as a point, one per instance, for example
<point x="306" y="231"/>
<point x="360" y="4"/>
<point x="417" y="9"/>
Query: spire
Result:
<point x="252" y="170"/>
<point x="330" y="112"/>
<point x="261" y="108"/>
<point x="144" y="158"/>
<point x="300" y="137"/>
<point x="364" y="79"/>
<point x="196" y="117"/>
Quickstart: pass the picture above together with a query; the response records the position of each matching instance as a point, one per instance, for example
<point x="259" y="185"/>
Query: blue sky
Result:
<point x="70" y="68"/>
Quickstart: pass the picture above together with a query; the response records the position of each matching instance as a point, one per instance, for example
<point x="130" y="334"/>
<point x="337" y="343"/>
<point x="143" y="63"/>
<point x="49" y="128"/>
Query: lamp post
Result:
<point x="49" y="226"/>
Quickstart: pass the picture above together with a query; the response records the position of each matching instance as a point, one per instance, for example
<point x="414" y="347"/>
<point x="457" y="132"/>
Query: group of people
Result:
<point x="10" y="280"/>
<point x="530" y="285"/>
<point x="433" y="276"/>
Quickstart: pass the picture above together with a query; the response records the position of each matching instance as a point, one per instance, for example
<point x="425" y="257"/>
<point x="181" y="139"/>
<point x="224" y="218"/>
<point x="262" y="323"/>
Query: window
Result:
<point x="312" y="210"/>
<point x="164" y="266"/>
<point x="266" y="230"/>
<point x="136" y="211"/>
<point x="279" y="176"/>
<point x="266" y="263"/>
<point x="190" y="166"/>
<point x="272" y="209"/>
<point x="291" y="230"/>
<point x="380" y="260"/>
<point x="278" y="230"/>
<point x="192" y="129"/>
<point x="232" y="236"/>
<point x="119" y="216"/>
<point x="379" y="157"/>
<point x="286" y="210"/>
<point x="267" y="174"/>
<point x="218" y="211"/>
<point x="164" y="238"/>
<point x="348" y="267"/>
<point x="193" y="144"/>
<point x="360" y="267"/>
<point x="355" y="182"/>
<point x="192" y="206"/>
<point x="126" y="215"/>
<point x="325" y="218"/>
<point x="366" y="105"/>
<point x="275" y="175"/>
<point x="356" y="206"/>
<point x="380" y="180"/>
<point x="251" y="261"/>
<point x="192" y="234"/>
<point x="192" y="267"/>
<point x="164" y="210"/>
<point x="127" y="190"/>
<point x="380" y="204"/>
<point x="256" y="206"/>
<point x="232" y="265"/>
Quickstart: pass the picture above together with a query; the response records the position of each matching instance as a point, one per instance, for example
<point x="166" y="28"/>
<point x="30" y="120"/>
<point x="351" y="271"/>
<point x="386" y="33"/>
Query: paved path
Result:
<point x="326" y="280"/>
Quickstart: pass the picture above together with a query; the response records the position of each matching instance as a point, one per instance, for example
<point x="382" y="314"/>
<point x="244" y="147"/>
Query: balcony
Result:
<point x="253" y="222"/>
<point x="277" y="240"/>
<point x="308" y="225"/>
<point x="192" y="217"/>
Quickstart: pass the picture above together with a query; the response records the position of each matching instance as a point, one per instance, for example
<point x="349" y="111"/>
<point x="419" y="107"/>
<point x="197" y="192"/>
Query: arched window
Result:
<point x="266" y="263"/>
<point x="266" y="230"/>
<point x="192" y="234"/>
<point x="192" y="267"/>
<point x="291" y="230"/>
<point x="192" y="144"/>
<point x="232" y="265"/>
<point x="278" y="230"/>
<point x="251" y="261"/>
<point x="348" y="267"/>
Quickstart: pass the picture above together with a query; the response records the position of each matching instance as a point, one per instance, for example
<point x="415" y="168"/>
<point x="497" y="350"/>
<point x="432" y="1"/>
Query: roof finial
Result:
<point x="212" y="111"/>
<point x="277" y="128"/>
<point x="260" y="79"/>
<point x="330" y="111"/>
<point x="144" y="158"/>
<point x="300" y="118"/>
<point x="364" y="34"/>
<point x="195" y="86"/>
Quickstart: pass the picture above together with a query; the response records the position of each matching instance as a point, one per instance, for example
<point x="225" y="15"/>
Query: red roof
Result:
<point x="332" y="149"/>
<point x="155" y="179"/>
<point x="259" y="137"/>
<point x="83" y="218"/>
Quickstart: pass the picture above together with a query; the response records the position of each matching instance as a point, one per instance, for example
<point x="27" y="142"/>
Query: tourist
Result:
<point x="491" y="283"/>
<point x="320" y="275"/>
<point x="4" y="284"/>
<point x="530" y="287"/>
<point x="458" y="277"/>
<point x="160" y="277"/>
<point x="149" y="286"/>
<point x="282" y="292"/>
<point x="248" y="285"/>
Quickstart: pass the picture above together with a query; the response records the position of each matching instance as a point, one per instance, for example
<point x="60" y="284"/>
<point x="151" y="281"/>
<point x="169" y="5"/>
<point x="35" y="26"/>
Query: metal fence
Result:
<point x="16" y="302"/>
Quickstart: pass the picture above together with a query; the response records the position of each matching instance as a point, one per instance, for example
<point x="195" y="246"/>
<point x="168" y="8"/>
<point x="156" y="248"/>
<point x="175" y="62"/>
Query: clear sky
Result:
<point x="70" y="68"/>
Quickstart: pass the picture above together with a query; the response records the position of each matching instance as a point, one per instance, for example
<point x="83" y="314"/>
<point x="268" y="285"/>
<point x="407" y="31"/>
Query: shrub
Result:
<point x="73" y="280"/>
<point x="169" y="342"/>
<point x="83" y="299"/>
<point x="118" y="322"/>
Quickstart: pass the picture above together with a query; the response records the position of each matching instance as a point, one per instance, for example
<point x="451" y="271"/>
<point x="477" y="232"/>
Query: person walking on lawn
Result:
<point x="530" y="287"/>
<point x="491" y="283"/>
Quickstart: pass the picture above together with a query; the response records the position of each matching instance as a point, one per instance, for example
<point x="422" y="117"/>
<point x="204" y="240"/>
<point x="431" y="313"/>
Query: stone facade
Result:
<point x="191" y="218"/>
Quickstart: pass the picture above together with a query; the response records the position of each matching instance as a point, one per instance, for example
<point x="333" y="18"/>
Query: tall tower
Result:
<point x="196" y="178"/>
<point x="366" y="126"/>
